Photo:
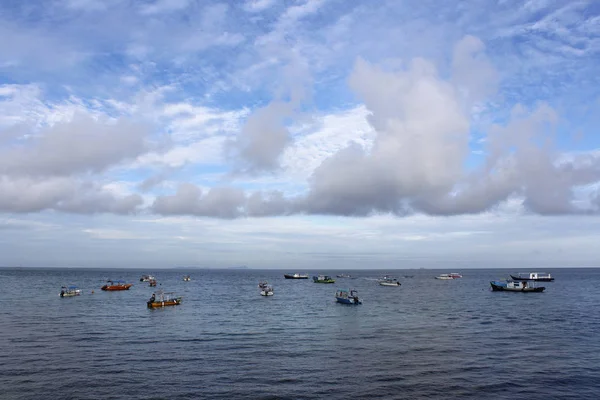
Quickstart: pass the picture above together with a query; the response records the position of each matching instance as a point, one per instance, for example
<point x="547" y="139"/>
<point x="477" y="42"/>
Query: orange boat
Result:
<point x="116" y="285"/>
<point x="162" y="299"/>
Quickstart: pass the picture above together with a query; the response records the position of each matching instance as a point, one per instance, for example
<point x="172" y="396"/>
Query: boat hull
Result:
<point x="264" y="293"/>
<point x="69" y="294"/>
<point x="389" y="283"/>
<point x="166" y="303"/>
<point x="444" y="278"/>
<point x="348" y="301"/>
<point x="112" y="288"/>
<point x="500" y="288"/>
<point x="329" y="281"/>
<point x="287" y="276"/>
<point x="519" y="278"/>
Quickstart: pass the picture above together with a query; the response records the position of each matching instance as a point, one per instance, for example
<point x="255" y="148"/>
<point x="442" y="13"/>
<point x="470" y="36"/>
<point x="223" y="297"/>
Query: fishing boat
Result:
<point x="295" y="276"/>
<point x="146" y="278"/>
<point x="116" y="285"/>
<point x="69" y="291"/>
<point x="265" y="289"/>
<point x="444" y="277"/>
<point x="152" y="282"/>
<point x="163" y="299"/>
<point x="323" y="279"/>
<point x="389" y="281"/>
<point x="347" y="296"/>
<point x="533" y="276"/>
<point x="515" y="286"/>
<point x="187" y="278"/>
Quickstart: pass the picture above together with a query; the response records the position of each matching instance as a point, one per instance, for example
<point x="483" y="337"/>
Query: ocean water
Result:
<point x="427" y="339"/>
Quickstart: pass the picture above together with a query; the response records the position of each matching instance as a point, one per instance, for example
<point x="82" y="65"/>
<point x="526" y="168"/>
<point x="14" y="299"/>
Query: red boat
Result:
<point x="116" y="285"/>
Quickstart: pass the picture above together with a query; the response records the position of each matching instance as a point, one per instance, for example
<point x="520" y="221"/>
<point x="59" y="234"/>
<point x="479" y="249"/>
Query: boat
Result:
<point x="533" y="276"/>
<point x="187" y="278"/>
<point x="152" y="282"/>
<point x="409" y="276"/>
<point x="265" y="289"/>
<point x="444" y="277"/>
<point x="295" y="276"/>
<point x="343" y="276"/>
<point x="515" y="286"/>
<point x="69" y="291"/>
<point x="455" y="275"/>
<point x="323" y="279"/>
<point x="163" y="299"/>
<point x="146" y="278"/>
<point x="347" y="296"/>
<point x="389" y="281"/>
<point x="116" y="285"/>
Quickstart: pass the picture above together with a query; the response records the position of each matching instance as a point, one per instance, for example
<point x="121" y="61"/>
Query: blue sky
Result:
<point x="302" y="133"/>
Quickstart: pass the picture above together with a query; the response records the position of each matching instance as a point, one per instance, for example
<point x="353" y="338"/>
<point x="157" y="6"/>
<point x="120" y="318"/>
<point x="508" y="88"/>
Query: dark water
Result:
<point x="426" y="339"/>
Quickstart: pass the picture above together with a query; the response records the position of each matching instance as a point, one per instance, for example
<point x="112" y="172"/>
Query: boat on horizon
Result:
<point x="533" y="276"/>
<point x="295" y="276"/>
<point x="146" y="278"/>
<point x="323" y="279"/>
<point x="343" y="276"/>
<point x="116" y="285"/>
<point x="164" y="299"/>
<point x="444" y="277"/>
<point x="515" y="286"/>
<point x="347" y="296"/>
<point x="69" y="291"/>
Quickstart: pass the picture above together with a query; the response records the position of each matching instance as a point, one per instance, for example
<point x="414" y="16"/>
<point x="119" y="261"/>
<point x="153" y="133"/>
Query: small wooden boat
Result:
<point x="116" y="285"/>
<point x="69" y="291"/>
<point x="295" y="276"/>
<point x="323" y="279"/>
<point x="163" y="299"/>
<point x="533" y="276"/>
<point x="265" y="289"/>
<point x="146" y="278"/>
<point x="347" y="296"/>
<point x="515" y="286"/>
<point x="389" y="281"/>
<point x="187" y="278"/>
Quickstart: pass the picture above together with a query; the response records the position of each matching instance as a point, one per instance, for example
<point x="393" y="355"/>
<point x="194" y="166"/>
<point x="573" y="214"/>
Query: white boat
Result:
<point x="146" y="278"/>
<point x="69" y="291"/>
<point x="389" y="281"/>
<point x="444" y="277"/>
<point x="265" y="289"/>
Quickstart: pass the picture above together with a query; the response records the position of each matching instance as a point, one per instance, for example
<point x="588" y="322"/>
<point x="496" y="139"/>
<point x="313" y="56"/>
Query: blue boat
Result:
<point x="347" y="296"/>
<point x="515" y="286"/>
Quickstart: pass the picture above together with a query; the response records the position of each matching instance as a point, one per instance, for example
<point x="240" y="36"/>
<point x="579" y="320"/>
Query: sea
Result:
<point x="427" y="339"/>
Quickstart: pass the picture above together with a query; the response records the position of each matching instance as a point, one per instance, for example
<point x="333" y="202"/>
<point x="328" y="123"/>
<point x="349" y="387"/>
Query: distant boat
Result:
<point x="69" y="291"/>
<point x="187" y="278"/>
<point x="455" y="275"/>
<point x="146" y="278"/>
<point x="347" y="296"/>
<point x="152" y="282"/>
<point x="343" y="276"/>
<point x="512" y="286"/>
<point x="533" y="276"/>
<point x="295" y="276"/>
<point x="164" y="299"/>
<point x="444" y="277"/>
<point x="323" y="279"/>
<point x="389" y="281"/>
<point x="116" y="285"/>
<point x="265" y="289"/>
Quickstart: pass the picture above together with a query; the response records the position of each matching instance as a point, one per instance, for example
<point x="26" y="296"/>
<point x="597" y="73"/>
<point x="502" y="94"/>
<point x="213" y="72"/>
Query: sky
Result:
<point x="299" y="134"/>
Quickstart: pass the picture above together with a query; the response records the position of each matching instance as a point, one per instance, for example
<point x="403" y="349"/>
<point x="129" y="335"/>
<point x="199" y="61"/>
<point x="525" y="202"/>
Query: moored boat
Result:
<point x="455" y="275"/>
<point x="187" y="278"/>
<point x="146" y="278"/>
<point x="152" y="282"/>
<point x="343" y="276"/>
<point x="323" y="279"/>
<point x="265" y="289"/>
<point x="515" y="286"/>
<point x="164" y="299"/>
<point x="69" y="291"/>
<point x="347" y="296"/>
<point x="389" y="281"/>
<point x="444" y="277"/>
<point x="295" y="276"/>
<point x="533" y="276"/>
<point x="116" y="285"/>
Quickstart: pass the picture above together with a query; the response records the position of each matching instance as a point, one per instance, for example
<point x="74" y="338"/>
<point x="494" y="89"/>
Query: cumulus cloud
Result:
<point x="27" y="195"/>
<point x="80" y="145"/>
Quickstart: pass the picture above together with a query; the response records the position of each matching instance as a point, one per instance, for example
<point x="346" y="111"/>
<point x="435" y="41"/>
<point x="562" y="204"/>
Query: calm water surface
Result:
<point x="426" y="339"/>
